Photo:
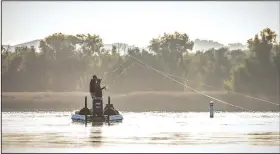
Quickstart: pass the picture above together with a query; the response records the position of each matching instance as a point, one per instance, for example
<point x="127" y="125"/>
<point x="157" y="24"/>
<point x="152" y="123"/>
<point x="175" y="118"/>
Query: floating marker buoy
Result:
<point x="211" y="109"/>
<point x="86" y="112"/>
<point x="109" y="102"/>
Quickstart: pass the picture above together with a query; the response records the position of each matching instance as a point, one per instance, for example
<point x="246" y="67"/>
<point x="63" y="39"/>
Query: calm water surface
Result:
<point x="142" y="132"/>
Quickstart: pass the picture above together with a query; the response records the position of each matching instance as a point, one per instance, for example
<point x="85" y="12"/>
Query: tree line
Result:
<point x="67" y="63"/>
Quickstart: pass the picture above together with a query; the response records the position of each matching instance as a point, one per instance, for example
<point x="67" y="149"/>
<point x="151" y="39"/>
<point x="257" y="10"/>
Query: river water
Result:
<point x="142" y="132"/>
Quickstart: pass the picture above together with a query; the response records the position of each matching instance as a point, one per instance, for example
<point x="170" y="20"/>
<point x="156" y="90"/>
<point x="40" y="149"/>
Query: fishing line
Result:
<point x="106" y="77"/>
<point x="160" y="72"/>
<point x="122" y="72"/>
<point x="126" y="69"/>
<point x="223" y="89"/>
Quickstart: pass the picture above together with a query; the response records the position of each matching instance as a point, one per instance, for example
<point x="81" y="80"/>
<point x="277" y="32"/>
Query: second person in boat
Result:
<point x="98" y="90"/>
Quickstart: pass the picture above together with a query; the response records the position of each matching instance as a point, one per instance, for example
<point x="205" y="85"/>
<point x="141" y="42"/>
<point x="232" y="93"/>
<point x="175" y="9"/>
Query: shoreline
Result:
<point x="135" y="102"/>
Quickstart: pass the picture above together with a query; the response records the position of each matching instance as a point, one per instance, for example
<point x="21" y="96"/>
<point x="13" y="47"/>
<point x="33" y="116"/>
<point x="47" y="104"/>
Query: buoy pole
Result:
<point x="109" y="102"/>
<point x="278" y="85"/>
<point x="86" y="112"/>
<point x="211" y="109"/>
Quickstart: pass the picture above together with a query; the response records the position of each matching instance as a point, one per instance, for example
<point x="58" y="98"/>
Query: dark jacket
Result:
<point x="92" y="85"/>
<point x="98" y="90"/>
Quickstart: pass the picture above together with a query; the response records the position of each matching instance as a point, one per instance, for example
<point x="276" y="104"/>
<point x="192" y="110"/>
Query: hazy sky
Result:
<point x="137" y="22"/>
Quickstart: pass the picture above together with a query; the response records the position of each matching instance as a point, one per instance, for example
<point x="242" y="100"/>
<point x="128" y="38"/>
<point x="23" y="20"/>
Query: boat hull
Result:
<point x="82" y="118"/>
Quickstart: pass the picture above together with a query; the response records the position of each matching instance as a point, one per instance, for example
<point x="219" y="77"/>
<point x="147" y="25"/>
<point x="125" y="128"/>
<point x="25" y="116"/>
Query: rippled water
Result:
<point x="142" y="132"/>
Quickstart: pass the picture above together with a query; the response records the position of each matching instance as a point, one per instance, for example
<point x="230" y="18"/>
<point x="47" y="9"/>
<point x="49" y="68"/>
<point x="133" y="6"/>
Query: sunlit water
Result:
<point x="142" y="132"/>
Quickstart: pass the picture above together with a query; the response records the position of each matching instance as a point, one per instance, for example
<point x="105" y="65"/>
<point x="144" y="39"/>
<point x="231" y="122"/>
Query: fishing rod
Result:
<point x="168" y="76"/>
<point x="106" y="77"/>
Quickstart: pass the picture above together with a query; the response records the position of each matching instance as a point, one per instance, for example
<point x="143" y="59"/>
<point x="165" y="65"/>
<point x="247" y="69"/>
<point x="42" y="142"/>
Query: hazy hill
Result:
<point x="234" y="46"/>
<point x="34" y="43"/>
<point x="207" y="44"/>
<point x="198" y="45"/>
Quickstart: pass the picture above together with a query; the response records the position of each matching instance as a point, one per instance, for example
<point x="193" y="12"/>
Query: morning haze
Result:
<point x="225" y="22"/>
<point x="210" y="43"/>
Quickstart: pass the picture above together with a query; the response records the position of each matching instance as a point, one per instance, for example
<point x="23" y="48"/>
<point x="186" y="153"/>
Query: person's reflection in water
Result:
<point x="96" y="136"/>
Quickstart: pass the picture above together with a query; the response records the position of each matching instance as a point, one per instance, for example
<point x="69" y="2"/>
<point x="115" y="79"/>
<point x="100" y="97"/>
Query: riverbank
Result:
<point x="134" y="102"/>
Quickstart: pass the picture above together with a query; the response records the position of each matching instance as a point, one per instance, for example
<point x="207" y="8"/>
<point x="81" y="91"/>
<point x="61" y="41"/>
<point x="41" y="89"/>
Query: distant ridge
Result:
<point x="199" y="45"/>
<point x="35" y="43"/>
<point x="208" y="44"/>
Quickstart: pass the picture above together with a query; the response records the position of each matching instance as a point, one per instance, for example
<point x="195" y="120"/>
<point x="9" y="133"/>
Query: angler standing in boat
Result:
<point x="92" y="84"/>
<point x="98" y="99"/>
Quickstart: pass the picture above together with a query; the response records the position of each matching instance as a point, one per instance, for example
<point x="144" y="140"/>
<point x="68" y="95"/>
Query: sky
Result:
<point x="136" y="23"/>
